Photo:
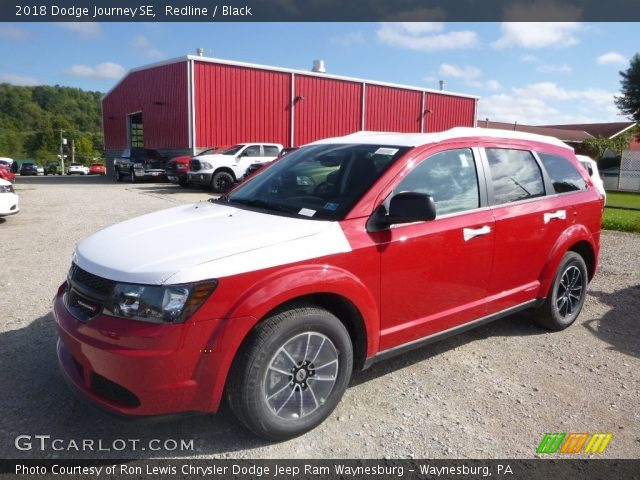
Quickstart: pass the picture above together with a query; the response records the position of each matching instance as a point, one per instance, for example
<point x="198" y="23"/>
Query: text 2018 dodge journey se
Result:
<point x="344" y="252"/>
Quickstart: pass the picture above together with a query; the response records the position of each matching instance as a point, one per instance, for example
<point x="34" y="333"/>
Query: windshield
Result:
<point x="209" y="151"/>
<point x="322" y="182"/>
<point x="230" y="150"/>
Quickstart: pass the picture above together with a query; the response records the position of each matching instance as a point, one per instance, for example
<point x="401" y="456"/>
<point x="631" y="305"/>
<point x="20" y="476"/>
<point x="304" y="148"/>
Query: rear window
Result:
<point x="515" y="174"/>
<point x="271" y="151"/>
<point x="564" y="175"/>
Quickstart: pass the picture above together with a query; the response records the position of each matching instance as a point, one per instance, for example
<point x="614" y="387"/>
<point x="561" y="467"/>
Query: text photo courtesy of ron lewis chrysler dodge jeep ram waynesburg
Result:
<point x="338" y="255"/>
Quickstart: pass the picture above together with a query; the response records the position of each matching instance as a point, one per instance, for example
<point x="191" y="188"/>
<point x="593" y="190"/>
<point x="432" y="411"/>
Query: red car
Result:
<point x="97" y="169"/>
<point x="350" y="251"/>
<point x="177" y="169"/>
<point x="7" y="174"/>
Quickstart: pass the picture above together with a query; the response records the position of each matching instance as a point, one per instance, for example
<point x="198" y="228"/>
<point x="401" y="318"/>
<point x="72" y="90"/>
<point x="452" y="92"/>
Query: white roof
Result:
<point x="418" y="139"/>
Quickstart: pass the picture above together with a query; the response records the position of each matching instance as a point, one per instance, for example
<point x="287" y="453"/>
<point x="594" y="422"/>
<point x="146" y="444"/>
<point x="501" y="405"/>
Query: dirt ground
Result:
<point x="489" y="393"/>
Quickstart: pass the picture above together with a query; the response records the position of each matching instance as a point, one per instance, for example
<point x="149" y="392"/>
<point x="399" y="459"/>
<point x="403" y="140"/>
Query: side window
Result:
<point x="252" y="151"/>
<point x="515" y="175"/>
<point x="564" y="176"/>
<point x="449" y="177"/>
<point x="271" y="151"/>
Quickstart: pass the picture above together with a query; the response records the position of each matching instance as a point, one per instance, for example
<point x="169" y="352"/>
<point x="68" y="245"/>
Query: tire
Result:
<point x="132" y="175"/>
<point x="118" y="175"/>
<point x="183" y="182"/>
<point x="566" y="296"/>
<point x="221" y="182"/>
<point x="272" y="391"/>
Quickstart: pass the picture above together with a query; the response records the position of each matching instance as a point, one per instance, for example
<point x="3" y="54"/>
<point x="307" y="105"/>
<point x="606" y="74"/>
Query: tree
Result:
<point x="629" y="102"/>
<point x="597" y="146"/>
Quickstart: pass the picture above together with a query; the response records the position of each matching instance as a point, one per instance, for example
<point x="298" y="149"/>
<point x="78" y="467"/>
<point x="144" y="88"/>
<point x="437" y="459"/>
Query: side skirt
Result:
<point x="421" y="342"/>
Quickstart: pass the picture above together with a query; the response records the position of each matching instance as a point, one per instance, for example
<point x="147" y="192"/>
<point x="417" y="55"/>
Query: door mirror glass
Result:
<point x="404" y="207"/>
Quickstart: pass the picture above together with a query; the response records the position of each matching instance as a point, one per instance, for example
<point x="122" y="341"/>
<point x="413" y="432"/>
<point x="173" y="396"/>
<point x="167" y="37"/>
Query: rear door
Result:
<point x="529" y="221"/>
<point x="435" y="274"/>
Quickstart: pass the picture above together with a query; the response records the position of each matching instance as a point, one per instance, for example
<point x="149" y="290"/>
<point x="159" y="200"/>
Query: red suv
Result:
<point x="343" y="253"/>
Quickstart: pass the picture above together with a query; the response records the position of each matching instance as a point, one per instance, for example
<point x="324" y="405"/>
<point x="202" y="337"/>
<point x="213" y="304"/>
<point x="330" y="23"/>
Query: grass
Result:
<point x="619" y="218"/>
<point x="623" y="199"/>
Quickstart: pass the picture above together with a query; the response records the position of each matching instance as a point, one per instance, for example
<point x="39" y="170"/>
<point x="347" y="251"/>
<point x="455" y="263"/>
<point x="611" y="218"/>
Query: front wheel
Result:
<point x="133" y="177"/>
<point x="221" y="182"/>
<point x="291" y="373"/>
<point x="566" y="296"/>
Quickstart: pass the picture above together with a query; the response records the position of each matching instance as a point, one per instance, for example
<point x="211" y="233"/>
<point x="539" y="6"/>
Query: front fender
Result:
<point x="290" y="283"/>
<point x="570" y="237"/>
<point x="268" y="293"/>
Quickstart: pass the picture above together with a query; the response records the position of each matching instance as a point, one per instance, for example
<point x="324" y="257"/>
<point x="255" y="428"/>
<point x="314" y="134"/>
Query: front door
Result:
<point x="435" y="274"/>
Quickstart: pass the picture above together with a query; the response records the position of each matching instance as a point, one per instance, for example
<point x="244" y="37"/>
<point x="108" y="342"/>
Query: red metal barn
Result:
<point x="187" y="104"/>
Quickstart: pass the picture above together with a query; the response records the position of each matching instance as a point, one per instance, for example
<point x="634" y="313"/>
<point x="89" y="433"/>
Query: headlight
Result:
<point x="157" y="304"/>
<point x="6" y="188"/>
<point x="205" y="166"/>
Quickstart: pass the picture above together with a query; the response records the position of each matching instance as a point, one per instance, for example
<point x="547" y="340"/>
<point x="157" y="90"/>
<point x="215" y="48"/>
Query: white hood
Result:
<point x="202" y="241"/>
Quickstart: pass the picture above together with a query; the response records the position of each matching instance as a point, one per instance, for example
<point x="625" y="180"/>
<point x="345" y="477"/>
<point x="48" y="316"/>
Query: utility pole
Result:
<point x="73" y="150"/>
<point x="61" y="152"/>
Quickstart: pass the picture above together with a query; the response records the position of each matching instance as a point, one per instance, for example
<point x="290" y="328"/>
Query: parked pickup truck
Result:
<point x="140" y="163"/>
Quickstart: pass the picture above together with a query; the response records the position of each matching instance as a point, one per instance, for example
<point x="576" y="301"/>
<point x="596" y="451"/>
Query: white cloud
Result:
<point x="563" y="68"/>
<point x="348" y="40"/>
<point x="612" y="58"/>
<point x="493" y="85"/>
<point x="15" y="79"/>
<point x="468" y="75"/>
<point x="89" y="29"/>
<point x="527" y="57"/>
<point x="538" y="35"/>
<point x="14" y="33"/>
<point x="425" y="36"/>
<point x="143" y="44"/>
<point x="107" y="70"/>
<point x="464" y="73"/>
<point x="140" y="41"/>
<point x="547" y="103"/>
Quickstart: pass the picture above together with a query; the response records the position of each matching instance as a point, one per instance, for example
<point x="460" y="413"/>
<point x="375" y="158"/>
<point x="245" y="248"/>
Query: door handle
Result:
<point x="557" y="215"/>
<point x="470" y="233"/>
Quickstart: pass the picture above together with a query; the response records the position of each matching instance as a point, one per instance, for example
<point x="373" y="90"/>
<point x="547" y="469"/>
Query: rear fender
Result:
<point x="570" y="237"/>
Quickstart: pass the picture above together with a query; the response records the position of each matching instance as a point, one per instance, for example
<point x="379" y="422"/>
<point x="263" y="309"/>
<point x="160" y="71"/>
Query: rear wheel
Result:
<point x="221" y="182"/>
<point x="183" y="182"/>
<point x="566" y="296"/>
<point x="291" y="373"/>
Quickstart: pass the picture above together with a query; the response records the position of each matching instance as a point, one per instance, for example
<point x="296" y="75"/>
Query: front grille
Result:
<point x="86" y="293"/>
<point x="194" y="165"/>
<point x="94" y="282"/>
<point x="112" y="391"/>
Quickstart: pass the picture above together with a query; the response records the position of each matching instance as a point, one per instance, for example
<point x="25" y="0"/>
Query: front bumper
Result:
<point x="201" y="178"/>
<point x="136" y="368"/>
<point x="9" y="205"/>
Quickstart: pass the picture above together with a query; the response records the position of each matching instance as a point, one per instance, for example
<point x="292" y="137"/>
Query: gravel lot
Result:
<point x="490" y="393"/>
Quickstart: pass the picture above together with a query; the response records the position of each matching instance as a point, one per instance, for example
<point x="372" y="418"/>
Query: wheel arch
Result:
<point x="224" y="169"/>
<point x="344" y="309"/>
<point x="576" y="239"/>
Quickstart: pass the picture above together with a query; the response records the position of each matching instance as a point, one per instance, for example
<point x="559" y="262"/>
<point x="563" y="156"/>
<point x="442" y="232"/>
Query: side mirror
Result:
<point x="404" y="207"/>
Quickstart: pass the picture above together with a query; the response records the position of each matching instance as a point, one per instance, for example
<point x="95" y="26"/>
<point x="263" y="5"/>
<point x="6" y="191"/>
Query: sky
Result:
<point x="532" y="73"/>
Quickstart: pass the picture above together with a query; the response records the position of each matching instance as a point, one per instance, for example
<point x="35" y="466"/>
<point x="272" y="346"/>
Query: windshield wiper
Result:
<point x="255" y="202"/>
